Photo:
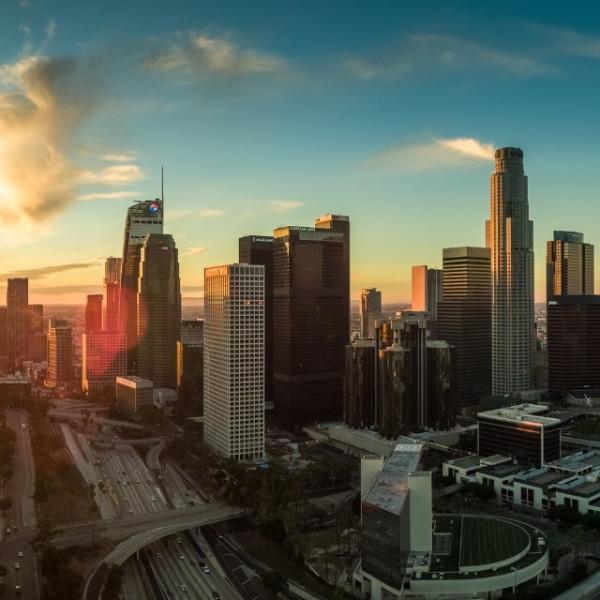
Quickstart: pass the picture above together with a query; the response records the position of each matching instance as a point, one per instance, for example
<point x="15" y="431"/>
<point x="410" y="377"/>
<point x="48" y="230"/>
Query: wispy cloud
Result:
<point x="127" y="157"/>
<point x="422" y="52"/>
<point x="108" y="196"/>
<point x="199" y="54"/>
<point x="50" y="29"/>
<point x="207" y="213"/>
<point x="113" y="175"/>
<point x="194" y="251"/>
<point x="285" y="206"/>
<point x="437" y="154"/>
<point x="41" y="272"/>
<point x="574" y="43"/>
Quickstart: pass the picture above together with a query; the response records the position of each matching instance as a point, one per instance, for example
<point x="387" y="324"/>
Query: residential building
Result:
<point x="509" y="235"/>
<point x="234" y="340"/>
<point x="103" y="359"/>
<point x="112" y="293"/>
<point x="370" y="312"/>
<point x="133" y="394"/>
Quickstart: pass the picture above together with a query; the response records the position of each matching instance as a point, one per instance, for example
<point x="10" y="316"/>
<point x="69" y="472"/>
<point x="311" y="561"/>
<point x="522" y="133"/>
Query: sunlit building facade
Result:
<point x="17" y="307"/>
<point x="60" y="353"/>
<point x="103" y="359"/>
<point x="370" y="312"/>
<point x="93" y="313"/>
<point x="112" y="293"/>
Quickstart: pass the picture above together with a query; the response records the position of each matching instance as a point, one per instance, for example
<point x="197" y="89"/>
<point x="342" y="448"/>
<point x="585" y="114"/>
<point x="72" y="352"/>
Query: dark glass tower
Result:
<point x="258" y="250"/>
<point x="311" y="319"/>
<point x="17" y="307"/>
<point x="360" y="386"/>
<point x="142" y="219"/>
<point x="158" y="311"/>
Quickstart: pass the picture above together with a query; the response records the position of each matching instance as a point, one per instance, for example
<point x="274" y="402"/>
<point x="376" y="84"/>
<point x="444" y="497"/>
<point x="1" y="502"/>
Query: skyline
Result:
<point x="390" y="118"/>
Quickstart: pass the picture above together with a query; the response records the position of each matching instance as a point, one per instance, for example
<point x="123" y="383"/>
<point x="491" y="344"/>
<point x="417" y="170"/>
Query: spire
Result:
<point x="162" y="186"/>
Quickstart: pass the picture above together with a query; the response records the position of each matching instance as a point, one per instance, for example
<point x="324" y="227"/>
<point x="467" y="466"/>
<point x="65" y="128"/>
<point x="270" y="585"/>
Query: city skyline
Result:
<point x="387" y="119"/>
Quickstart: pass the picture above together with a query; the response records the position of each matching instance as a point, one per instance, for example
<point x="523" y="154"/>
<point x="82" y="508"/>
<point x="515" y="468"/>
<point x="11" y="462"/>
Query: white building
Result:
<point x="133" y="393"/>
<point x="234" y="338"/>
<point x="103" y="359"/>
<point x="509" y="235"/>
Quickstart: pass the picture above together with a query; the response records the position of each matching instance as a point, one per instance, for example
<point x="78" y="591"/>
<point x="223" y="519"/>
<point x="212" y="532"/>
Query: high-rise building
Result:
<point x="93" y="313"/>
<point x="426" y="289"/>
<point x="311" y="320"/>
<point x="441" y="387"/>
<point x="360" y="385"/>
<point x="3" y="335"/>
<point x="370" y="312"/>
<point x="258" y="250"/>
<point x="17" y="303"/>
<point x="60" y="353"/>
<point x="569" y="265"/>
<point x="573" y="343"/>
<point x="190" y="369"/>
<point x="112" y="293"/>
<point x="158" y="311"/>
<point x="234" y="403"/>
<point x="36" y="336"/>
<point x="465" y="321"/>
<point x="103" y="359"/>
<point x="143" y="218"/>
<point x="509" y="235"/>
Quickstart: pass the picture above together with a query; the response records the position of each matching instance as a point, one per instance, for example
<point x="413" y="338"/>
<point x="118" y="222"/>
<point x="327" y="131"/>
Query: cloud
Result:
<point x="194" y="251"/>
<point x="127" y="157"/>
<point x="113" y="175"/>
<point x="284" y="206"/>
<point x="50" y="29"/>
<point x="41" y="272"/>
<point x="199" y="55"/>
<point x="442" y="153"/>
<point x="43" y="102"/>
<point x="207" y="213"/>
<point x="422" y="52"/>
<point x="574" y="43"/>
<point x="108" y="196"/>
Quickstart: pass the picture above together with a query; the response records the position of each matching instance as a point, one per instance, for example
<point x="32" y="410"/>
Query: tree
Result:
<point x="5" y="504"/>
<point x="274" y="581"/>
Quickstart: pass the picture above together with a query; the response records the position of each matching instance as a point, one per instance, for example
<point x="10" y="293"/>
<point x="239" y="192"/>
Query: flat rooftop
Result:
<point x="502" y="470"/>
<point x="541" y="478"/>
<point x="578" y="462"/>
<point x="389" y="489"/>
<point x="466" y="462"/>
<point x="521" y="413"/>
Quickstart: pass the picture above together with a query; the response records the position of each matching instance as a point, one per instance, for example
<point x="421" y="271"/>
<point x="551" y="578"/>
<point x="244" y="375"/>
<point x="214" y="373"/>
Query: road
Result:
<point x="22" y="515"/>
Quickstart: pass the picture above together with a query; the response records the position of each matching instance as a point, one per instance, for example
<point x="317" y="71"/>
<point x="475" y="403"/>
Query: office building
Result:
<point x="441" y="389"/>
<point x="3" y="334"/>
<point x="360" y="386"/>
<point x="17" y="307"/>
<point x="426" y="289"/>
<point x="234" y="402"/>
<point x="143" y="218"/>
<point x="573" y="339"/>
<point x="60" y="353"/>
<point x="15" y="388"/>
<point x="159" y="311"/>
<point x="509" y="235"/>
<point x="311" y="320"/>
<point x="370" y="312"/>
<point x="112" y="293"/>
<point x="569" y="265"/>
<point x="133" y="394"/>
<point x="103" y="359"/>
<point x="258" y="250"/>
<point x="36" y="336"/>
<point x="465" y="322"/>
<point x="190" y="368"/>
<point x="93" y="313"/>
<point x="522" y="432"/>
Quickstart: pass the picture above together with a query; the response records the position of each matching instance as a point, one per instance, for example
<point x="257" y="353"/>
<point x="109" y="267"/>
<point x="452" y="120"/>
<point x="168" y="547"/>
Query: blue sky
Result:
<point x="272" y="113"/>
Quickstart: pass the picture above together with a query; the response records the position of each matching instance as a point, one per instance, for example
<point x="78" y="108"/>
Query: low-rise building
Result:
<point x="15" y="388"/>
<point x="133" y="393"/>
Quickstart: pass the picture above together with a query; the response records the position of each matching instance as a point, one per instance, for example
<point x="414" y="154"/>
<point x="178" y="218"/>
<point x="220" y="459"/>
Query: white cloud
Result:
<point x="284" y="206"/>
<point x="113" y="175"/>
<point x="207" y="213"/>
<point x="194" y="251"/>
<point x="442" y="153"/>
<point x="199" y="54"/>
<point x="127" y="156"/>
<point x="108" y="196"/>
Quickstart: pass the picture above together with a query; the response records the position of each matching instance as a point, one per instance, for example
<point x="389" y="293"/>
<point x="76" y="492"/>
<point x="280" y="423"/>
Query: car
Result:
<point x="153" y="498"/>
<point x="183" y="587"/>
<point x="216" y="596"/>
<point x="206" y="570"/>
<point x="8" y="530"/>
<point x="130" y="510"/>
<point x="20" y="554"/>
<point x="179" y="540"/>
<point x="18" y="590"/>
<point x="158" y="555"/>
<point x="17" y="566"/>
<point x="14" y="527"/>
<point x="181" y="557"/>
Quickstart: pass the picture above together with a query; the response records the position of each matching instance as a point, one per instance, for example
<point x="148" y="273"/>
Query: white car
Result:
<point x="20" y="554"/>
<point x="183" y="587"/>
<point x="206" y="570"/>
<point x="17" y="566"/>
<point x="153" y="498"/>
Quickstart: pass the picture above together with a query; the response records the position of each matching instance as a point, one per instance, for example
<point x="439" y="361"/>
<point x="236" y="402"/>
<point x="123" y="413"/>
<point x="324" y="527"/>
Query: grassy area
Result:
<point x="589" y="429"/>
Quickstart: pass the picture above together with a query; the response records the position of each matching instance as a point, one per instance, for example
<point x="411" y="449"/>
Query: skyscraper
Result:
<point x="509" y="235"/>
<point x="569" y="265"/>
<point x="17" y="302"/>
<point x="158" y="311"/>
<point x="426" y="289"/>
<point x="465" y="321"/>
<point x="60" y="353"/>
<point x="112" y="292"/>
<point x="190" y="368"/>
<point x="311" y="319"/>
<point x="360" y="386"/>
<point x="234" y="373"/>
<point x="370" y="312"/>
<point x="103" y="359"/>
<point x="143" y="218"/>
<point x="258" y="250"/>
<point x="93" y="313"/>
<point x="36" y="336"/>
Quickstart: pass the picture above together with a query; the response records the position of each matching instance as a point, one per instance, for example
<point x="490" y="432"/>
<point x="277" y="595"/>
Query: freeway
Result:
<point x="22" y="515"/>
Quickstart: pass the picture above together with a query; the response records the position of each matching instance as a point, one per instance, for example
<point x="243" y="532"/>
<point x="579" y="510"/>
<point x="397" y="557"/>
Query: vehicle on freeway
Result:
<point x="8" y="530"/>
<point x="153" y="498"/>
<point x="206" y="570"/>
<point x="18" y="590"/>
<point x="183" y="587"/>
<point x="181" y="557"/>
<point x="17" y="566"/>
<point x="20" y="554"/>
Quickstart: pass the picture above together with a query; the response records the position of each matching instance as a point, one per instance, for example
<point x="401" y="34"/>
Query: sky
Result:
<point x="273" y="113"/>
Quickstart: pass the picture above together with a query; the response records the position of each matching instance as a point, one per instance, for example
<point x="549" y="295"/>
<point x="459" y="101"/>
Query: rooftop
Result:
<point x="502" y="470"/>
<point x="542" y="477"/>
<point x="580" y="462"/>
<point x="466" y="462"/>
<point x="521" y="413"/>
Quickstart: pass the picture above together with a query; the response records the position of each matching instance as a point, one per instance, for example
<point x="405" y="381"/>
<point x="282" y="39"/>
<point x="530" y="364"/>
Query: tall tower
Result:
<point x="93" y="313"/>
<point x="370" y="312"/>
<point x="158" y="311"/>
<point x="509" y="235"/>
<point x="112" y="290"/>
<point x="569" y="265"/>
<point x="143" y="218"/>
<point x="17" y="302"/>
<point x="234" y="344"/>
<point x="60" y="353"/>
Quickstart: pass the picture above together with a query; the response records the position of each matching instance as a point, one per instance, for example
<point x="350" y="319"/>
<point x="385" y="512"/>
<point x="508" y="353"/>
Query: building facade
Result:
<point x="465" y="322"/>
<point x="112" y="293"/>
<point x="60" y="353"/>
<point x="427" y="289"/>
<point x="158" y="311"/>
<point x="360" y="386"/>
<point x="93" y="313"/>
<point x="103" y="359"/>
<point x="234" y="330"/>
<point x="311" y="320"/>
<point x="509" y="236"/>
<point x="17" y="309"/>
<point x="370" y="312"/>
<point x="190" y="369"/>
<point x="133" y="394"/>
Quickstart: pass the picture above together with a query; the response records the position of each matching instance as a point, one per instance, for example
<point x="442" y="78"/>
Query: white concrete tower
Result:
<point x="509" y="235"/>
